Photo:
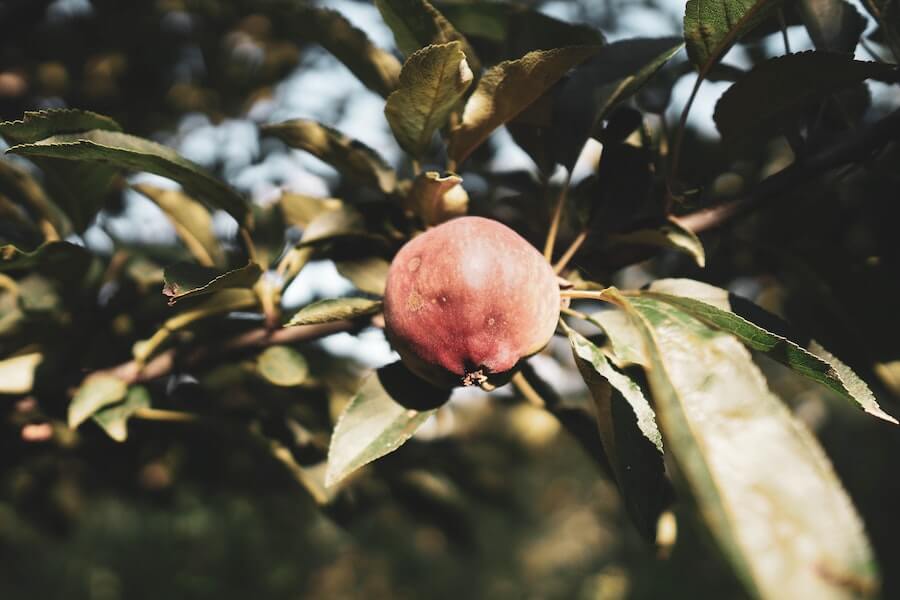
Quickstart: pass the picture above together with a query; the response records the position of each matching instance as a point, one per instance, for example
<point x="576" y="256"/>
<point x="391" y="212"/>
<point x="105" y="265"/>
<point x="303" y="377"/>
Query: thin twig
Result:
<point x="557" y="216"/>
<point x="856" y="146"/>
<point x="563" y="261"/>
<point x="529" y="393"/>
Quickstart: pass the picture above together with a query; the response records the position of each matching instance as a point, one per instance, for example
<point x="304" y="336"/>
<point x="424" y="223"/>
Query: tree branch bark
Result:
<point x="855" y="147"/>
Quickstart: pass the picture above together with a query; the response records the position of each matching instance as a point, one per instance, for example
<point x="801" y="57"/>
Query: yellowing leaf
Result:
<point x="432" y="83"/>
<point x="336" y="309"/>
<point x="114" y="419"/>
<point x="17" y="373"/>
<point x="507" y="89"/>
<point x="95" y="392"/>
<point x="436" y="199"/>
<point x="191" y="220"/>
<point x="282" y="366"/>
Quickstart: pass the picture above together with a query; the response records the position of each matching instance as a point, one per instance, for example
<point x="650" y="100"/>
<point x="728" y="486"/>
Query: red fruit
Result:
<point x="467" y="300"/>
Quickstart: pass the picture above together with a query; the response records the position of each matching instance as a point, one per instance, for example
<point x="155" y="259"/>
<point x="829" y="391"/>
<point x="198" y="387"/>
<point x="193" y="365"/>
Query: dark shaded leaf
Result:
<point x="130" y="152"/>
<point x="417" y="23"/>
<point x="336" y="309"/>
<point x="38" y="125"/>
<point x="788" y="83"/>
<point x="613" y="74"/>
<point x="432" y="83"/>
<point x="377" y="69"/>
<point x="351" y="157"/>
<point x="21" y="187"/>
<point x="507" y="89"/>
<point x="666" y="235"/>
<point x="58" y="259"/>
<point x="186" y="280"/>
<point x="833" y="25"/>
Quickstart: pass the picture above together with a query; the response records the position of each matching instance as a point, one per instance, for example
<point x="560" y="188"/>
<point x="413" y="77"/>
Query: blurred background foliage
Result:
<point x="493" y="499"/>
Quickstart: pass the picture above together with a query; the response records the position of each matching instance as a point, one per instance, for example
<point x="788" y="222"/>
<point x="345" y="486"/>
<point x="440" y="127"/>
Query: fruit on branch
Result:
<point x="467" y="300"/>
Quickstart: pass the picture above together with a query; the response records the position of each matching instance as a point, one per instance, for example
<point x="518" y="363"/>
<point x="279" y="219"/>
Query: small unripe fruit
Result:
<point x="467" y="300"/>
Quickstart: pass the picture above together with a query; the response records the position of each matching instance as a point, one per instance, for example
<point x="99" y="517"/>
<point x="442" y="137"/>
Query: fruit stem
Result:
<point x="586" y="295"/>
<point x="563" y="261"/>
<point x="527" y="391"/>
<point x="557" y="215"/>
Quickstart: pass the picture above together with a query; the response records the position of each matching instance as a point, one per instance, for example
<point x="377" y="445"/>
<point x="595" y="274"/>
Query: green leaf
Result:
<point x="191" y="220"/>
<point x="714" y="307"/>
<point x="417" y="23"/>
<point x="96" y="391"/>
<point x="130" y="152"/>
<point x="282" y="366"/>
<point x="758" y="478"/>
<point x="790" y="83"/>
<point x="631" y="391"/>
<point x="57" y="258"/>
<point x="374" y="424"/>
<point x="508" y="30"/>
<point x="114" y="419"/>
<point x="21" y="187"/>
<point x="629" y="435"/>
<point x="79" y="188"/>
<point x="299" y="209"/>
<point x="711" y="27"/>
<point x="336" y="309"/>
<point x="377" y="69"/>
<point x="507" y="89"/>
<point x="833" y="25"/>
<point x="37" y="125"/>
<point x="436" y="199"/>
<point x="613" y="74"/>
<point x="185" y="280"/>
<point x="332" y="224"/>
<point x="668" y="235"/>
<point x="368" y="274"/>
<point x="17" y="372"/>
<point x="432" y="83"/>
<point x="351" y="157"/>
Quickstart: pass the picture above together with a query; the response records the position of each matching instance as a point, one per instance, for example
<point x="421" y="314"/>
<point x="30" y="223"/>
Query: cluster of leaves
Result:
<point x="671" y="378"/>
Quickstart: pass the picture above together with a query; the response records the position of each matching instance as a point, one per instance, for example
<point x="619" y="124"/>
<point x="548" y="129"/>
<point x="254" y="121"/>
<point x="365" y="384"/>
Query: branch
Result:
<point x="855" y="147"/>
<point x="163" y="364"/>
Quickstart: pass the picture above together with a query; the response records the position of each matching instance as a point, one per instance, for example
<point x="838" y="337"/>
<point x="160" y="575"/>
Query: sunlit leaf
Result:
<point x="759" y="479"/>
<point x="417" y="23"/>
<point x="436" y="199"/>
<point x="432" y="83"/>
<point x="507" y="89"/>
<point x="134" y="153"/>
<point x="833" y="25"/>
<point x="336" y="309"/>
<point x="192" y="222"/>
<point x="377" y="69"/>
<point x="17" y="373"/>
<point x="368" y="274"/>
<point x="596" y="86"/>
<point x="114" y="419"/>
<point x="711" y="27"/>
<point x="374" y="424"/>
<point x="95" y="392"/>
<point x="790" y="83"/>
<point x="715" y="307"/>
<point x="299" y="209"/>
<point x="282" y="366"/>
<point x="668" y="235"/>
<point x="185" y="280"/>
<point x="351" y="157"/>
<point x="343" y="222"/>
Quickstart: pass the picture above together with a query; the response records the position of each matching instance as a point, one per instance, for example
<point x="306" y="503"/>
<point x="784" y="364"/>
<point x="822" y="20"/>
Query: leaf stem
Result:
<point x="557" y="216"/>
<point x="679" y="139"/>
<point x="171" y="416"/>
<point x="249" y="246"/>
<point x="528" y="392"/>
<point x="563" y="261"/>
<point x="784" y="34"/>
<point x="586" y="295"/>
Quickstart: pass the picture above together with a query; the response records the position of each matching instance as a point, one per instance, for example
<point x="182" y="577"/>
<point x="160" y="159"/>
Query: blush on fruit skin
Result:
<point x="467" y="300"/>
